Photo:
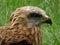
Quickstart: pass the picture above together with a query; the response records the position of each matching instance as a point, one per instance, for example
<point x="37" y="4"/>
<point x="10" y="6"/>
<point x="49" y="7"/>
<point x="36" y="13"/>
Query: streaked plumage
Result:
<point x="23" y="27"/>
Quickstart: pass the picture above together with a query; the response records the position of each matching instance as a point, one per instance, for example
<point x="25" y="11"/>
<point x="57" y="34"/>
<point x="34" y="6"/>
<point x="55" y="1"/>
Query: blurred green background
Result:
<point x="51" y="34"/>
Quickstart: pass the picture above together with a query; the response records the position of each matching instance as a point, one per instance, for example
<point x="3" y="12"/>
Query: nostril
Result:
<point x="24" y="42"/>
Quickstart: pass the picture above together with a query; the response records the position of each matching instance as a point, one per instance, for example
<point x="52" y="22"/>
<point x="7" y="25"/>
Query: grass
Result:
<point x="51" y="34"/>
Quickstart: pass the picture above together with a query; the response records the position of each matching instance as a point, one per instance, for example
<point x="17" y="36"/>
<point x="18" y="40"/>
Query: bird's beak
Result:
<point x="48" y="20"/>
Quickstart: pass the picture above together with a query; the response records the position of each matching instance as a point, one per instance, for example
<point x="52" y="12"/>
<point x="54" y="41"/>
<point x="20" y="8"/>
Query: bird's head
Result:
<point x="32" y="16"/>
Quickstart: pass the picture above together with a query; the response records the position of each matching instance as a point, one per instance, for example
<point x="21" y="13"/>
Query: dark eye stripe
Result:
<point x="34" y="15"/>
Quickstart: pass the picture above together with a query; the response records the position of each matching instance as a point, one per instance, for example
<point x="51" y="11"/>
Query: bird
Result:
<point x="23" y="27"/>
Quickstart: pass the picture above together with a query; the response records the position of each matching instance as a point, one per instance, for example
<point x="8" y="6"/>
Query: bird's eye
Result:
<point x="34" y="15"/>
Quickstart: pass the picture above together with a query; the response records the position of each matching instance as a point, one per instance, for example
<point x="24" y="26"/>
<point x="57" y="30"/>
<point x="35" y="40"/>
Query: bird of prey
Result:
<point x="23" y="27"/>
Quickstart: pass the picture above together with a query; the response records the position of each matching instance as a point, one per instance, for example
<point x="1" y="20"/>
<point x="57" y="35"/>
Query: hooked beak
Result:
<point x="48" y="21"/>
